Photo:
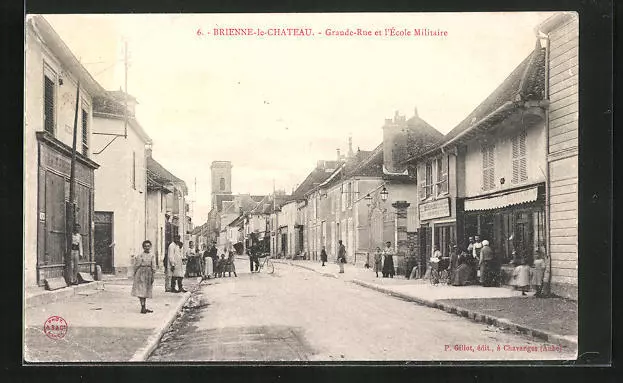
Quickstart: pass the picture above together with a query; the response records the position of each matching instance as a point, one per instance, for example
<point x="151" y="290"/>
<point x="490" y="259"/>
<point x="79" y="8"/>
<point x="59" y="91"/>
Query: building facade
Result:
<point x="52" y="74"/>
<point x="120" y="198"/>
<point x="561" y="41"/>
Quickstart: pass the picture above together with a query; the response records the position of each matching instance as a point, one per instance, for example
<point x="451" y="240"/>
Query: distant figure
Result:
<point x="487" y="265"/>
<point x="144" y="275"/>
<point x="476" y="249"/>
<point x="208" y="267"/>
<point x="253" y="258"/>
<point x="214" y="255"/>
<point x="323" y="255"/>
<point x="221" y="266"/>
<point x="521" y="273"/>
<point x="176" y="265"/>
<point x="388" y="261"/>
<point x="378" y="261"/>
<point x="76" y="253"/>
<point x="341" y="256"/>
<point x="538" y="273"/>
<point x="231" y="267"/>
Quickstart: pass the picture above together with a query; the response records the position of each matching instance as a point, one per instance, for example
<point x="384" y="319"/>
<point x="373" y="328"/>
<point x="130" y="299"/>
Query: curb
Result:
<point x="324" y="274"/>
<point x="152" y="342"/>
<point x="564" y="341"/>
<point x="46" y="296"/>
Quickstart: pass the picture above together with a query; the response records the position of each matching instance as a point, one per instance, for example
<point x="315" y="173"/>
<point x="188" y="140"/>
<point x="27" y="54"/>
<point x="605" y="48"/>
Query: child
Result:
<point x="538" y="273"/>
<point x="231" y="267"/>
<point x="221" y="266"/>
<point x="521" y="274"/>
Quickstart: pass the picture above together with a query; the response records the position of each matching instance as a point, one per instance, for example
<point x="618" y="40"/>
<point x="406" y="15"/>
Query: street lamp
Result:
<point x="384" y="194"/>
<point x="368" y="199"/>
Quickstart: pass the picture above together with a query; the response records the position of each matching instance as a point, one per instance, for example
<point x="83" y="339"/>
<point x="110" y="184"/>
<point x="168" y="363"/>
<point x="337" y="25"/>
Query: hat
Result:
<point x="485" y="243"/>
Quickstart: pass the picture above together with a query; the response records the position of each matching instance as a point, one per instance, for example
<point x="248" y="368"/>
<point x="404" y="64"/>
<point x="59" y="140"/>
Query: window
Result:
<point x="488" y="167"/>
<point x="222" y="184"/>
<point x="49" y="95"/>
<point x="442" y="174"/>
<point x="520" y="173"/>
<point x="426" y="186"/>
<point x="85" y="132"/>
<point x="134" y="170"/>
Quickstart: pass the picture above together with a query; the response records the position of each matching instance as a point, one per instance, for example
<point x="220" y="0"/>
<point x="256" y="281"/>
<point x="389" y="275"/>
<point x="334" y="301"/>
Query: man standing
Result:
<point x="341" y="256"/>
<point x="253" y="258"/>
<point x="323" y="255"/>
<point x="476" y="256"/>
<point x="175" y="265"/>
<point x="76" y="253"/>
<point x="214" y="256"/>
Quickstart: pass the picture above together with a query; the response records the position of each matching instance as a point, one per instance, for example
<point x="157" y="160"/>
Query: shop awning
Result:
<point x="497" y="201"/>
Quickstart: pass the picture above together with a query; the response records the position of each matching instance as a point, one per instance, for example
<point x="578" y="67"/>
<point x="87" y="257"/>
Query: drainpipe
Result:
<point x="548" y="287"/>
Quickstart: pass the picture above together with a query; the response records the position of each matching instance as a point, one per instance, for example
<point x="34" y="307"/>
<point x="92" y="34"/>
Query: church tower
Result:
<point x="221" y="180"/>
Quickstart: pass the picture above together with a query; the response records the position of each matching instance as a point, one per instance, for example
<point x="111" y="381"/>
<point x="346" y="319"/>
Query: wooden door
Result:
<point x="104" y="251"/>
<point x="55" y="227"/>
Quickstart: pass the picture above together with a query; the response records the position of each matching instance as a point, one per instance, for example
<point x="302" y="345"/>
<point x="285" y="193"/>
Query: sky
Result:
<point x="275" y="105"/>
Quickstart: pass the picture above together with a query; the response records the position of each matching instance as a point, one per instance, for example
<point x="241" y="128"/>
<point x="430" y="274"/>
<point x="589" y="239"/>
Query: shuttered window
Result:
<point x="442" y="174"/>
<point x="520" y="172"/>
<point x="48" y="94"/>
<point x="85" y="132"/>
<point x="426" y="186"/>
<point x="488" y="167"/>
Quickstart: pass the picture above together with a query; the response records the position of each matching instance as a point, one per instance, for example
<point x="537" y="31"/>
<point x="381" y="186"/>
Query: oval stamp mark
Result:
<point x="55" y="327"/>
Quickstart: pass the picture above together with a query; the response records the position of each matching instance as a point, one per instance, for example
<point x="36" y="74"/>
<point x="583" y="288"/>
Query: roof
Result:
<point x="40" y="26"/>
<point x="313" y="179"/>
<point x="161" y="175"/>
<point x="526" y="82"/>
<point x="220" y="198"/>
<point x="105" y="106"/>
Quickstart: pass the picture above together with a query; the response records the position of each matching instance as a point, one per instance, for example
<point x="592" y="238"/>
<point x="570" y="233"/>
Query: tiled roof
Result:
<point x="526" y="82"/>
<point x="161" y="175"/>
<point x="315" y="178"/>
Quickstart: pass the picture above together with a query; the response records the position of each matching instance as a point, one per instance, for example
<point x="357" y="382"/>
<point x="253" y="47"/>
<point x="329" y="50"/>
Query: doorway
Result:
<point x="104" y="249"/>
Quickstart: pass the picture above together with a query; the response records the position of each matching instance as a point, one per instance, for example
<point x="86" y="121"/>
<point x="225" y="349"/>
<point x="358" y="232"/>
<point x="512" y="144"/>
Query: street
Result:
<point x="300" y="315"/>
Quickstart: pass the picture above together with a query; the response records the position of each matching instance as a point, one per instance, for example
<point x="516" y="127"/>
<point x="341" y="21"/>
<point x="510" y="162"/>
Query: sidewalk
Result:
<point x="104" y="323"/>
<point x="502" y="307"/>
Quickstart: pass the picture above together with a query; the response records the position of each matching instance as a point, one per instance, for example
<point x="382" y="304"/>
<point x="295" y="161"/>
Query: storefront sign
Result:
<point x="436" y="209"/>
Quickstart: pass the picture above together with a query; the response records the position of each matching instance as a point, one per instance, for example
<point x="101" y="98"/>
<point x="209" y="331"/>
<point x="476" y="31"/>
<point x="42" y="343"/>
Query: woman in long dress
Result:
<point x="144" y="272"/>
<point x="521" y="273"/>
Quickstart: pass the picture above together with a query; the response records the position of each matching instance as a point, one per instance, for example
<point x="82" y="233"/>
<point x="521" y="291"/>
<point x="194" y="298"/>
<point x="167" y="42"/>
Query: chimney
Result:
<point x="350" y="146"/>
<point x="394" y="143"/>
<point x="339" y="157"/>
<point x="415" y="112"/>
<point x="148" y="150"/>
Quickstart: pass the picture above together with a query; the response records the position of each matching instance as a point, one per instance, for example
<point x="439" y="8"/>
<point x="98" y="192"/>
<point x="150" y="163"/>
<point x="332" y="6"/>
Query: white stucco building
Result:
<point x="120" y="197"/>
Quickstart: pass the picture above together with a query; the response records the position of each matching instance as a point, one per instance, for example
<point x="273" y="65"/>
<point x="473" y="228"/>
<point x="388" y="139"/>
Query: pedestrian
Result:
<point x="231" y="266"/>
<point x="254" y="261"/>
<point x="521" y="273"/>
<point x="538" y="273"/>
<point x="214" y="256"/>
<point x="378" y="261"/>
<point x="76" y="253"/>
<point x="167" y="269"/>
<point x="191" y="260"/>
<point x="487" y="265"/>
<point x="463" y="272"/>
<point x="323" y="255"/>
<point x="144" y="275"/>
<point x="208" y="269"/>
<point x="341" y="256"/>
<point x="454" y="261"/>
<point x="388" y="261"/>
<point x="221" y="266"/>
<point x="476" y="249"/>
<point x="434" y="263"/>
<point x="176" y="265"/>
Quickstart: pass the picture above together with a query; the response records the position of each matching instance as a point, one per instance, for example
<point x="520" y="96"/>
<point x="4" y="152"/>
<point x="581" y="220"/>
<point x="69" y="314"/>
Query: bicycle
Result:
<point x="266" y="263"/>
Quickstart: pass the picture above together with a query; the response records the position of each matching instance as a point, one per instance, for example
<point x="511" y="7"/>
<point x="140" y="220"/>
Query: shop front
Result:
<point x="53" y="200"/>
<point x="509" y="220"/>
<point x="437" y="227"/>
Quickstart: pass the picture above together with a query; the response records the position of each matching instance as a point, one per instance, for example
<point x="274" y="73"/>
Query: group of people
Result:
<point x="174" y="264"/>
<point x="479" y="264"/>
<point x="384" y="261"/>
<point x="341" y="256"/>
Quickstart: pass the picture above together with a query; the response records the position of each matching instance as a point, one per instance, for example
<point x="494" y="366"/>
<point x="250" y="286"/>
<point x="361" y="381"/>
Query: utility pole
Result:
<point x="70" y="207"/>
<point x="125" y="110"/>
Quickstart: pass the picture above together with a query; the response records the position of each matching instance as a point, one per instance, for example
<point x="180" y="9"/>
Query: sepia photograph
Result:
<point x="300" y="187"/>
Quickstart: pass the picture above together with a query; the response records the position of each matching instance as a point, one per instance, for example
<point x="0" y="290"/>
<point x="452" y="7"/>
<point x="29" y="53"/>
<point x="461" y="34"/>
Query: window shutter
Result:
<point x="48" y="115"/>
<point x="444" y="174"/>
<point x="522" y="143"/>
<point x="422" y="189"/>
<point x="523" y="173"/>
